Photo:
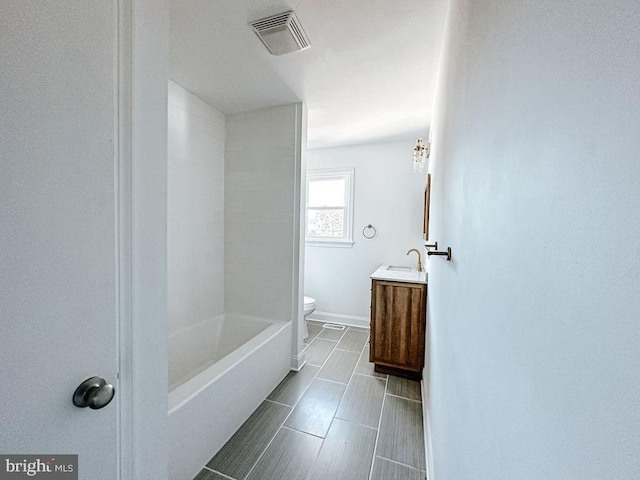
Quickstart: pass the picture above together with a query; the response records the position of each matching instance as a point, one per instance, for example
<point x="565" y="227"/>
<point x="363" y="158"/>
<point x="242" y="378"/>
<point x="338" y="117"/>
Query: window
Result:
<point x="330" y="207"/>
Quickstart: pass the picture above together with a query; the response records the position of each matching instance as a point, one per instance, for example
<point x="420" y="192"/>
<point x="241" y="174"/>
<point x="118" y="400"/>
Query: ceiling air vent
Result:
<point x="281" y="33"/>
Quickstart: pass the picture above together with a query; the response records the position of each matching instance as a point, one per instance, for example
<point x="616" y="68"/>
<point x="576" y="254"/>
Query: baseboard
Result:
<point x="298" y="361"/>
<point x="426" y="424"/>
<point x="351" y="320"/>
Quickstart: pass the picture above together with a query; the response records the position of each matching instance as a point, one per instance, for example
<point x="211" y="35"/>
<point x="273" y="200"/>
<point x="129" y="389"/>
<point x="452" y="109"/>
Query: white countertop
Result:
<point x="399" y="274"/>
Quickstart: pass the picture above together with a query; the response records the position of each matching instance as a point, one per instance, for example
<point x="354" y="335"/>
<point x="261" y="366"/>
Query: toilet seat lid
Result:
<point x="309" y="300"/>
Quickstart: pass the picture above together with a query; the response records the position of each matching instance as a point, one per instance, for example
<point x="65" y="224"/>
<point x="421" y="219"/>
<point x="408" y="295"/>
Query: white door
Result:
<point x="58" y="217"/>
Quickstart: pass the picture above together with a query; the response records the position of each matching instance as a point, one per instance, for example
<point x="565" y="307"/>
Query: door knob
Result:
<point x="94" y="393"/>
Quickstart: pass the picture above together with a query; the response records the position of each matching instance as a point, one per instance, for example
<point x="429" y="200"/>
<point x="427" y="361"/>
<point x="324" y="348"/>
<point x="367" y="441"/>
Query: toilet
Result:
<point x="309" y="306"/>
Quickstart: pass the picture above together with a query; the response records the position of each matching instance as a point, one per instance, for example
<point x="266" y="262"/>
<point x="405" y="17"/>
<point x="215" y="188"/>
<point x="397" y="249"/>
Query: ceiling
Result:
<point x="369" y="75"/>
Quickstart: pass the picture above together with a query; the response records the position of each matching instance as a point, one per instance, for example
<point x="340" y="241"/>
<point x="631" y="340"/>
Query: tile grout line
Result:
<point x="404" y="398"/>
<point x="357" y="424"/>
<point x="268" y="445"/>
<point x="326" y="339"/>
<point x="312" y="338"/>
<point x="375" y="448"/>
<point x="278" y="403"/>
<point x="308" y="345"/>
<point x="403" y="464"/>
<point x="421" y="427"/>
<point x="219" y="473"/>
<point x="306" y="389"/>
<point x="331" y="381"/>
<point x="334" y="415"/>
<point x="386" y="375"/>
<point x="345" y="330"/>
<point x="291" y="411"/>
<point x="337" y="341"/>
<point x="292" y="407"/>
<point x="359" y="374"/>
<point x="369" y="376"/>
<point x="345" y="350"/>
<point x="355" y="351"/>
<point x="350" y="376"/>
<point x="350" y="379"/>
<point x="373" y="456"/>
<point x="301" y="431"/>
<point x="335" y="381"/>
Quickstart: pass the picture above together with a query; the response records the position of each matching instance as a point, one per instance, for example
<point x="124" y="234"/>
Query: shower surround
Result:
<point x="233" y="263"/>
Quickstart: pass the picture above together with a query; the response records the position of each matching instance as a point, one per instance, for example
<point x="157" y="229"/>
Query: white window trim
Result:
<point x="328" y="173"/>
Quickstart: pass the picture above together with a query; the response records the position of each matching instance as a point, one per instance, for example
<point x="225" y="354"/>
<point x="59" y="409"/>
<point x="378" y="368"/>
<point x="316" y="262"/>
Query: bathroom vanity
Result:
<point x="398" y="316"/>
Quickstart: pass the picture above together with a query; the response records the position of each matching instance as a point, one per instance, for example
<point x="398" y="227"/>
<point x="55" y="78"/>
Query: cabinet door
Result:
<point x="397" y="324"/>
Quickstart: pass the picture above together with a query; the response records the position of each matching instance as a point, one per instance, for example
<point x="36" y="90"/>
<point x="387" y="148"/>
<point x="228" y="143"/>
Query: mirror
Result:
<point x="427" y="201"/>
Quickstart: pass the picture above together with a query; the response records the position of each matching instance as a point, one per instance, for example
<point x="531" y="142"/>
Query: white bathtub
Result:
<point x="220" y="371"/>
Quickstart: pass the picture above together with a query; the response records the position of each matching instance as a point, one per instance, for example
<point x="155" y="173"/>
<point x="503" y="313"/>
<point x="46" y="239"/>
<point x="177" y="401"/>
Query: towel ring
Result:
<point x="375" y="232"/>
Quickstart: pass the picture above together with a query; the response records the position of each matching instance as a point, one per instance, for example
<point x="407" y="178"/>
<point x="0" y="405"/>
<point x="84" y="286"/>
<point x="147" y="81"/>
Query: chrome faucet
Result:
<point x="419" y="258"/>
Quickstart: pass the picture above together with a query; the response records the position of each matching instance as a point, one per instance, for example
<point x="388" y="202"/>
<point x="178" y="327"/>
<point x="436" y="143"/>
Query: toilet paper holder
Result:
<point x="447" y="253"/>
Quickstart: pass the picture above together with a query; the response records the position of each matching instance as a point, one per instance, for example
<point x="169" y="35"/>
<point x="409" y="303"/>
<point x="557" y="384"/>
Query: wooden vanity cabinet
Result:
<point x="398" y="315"/>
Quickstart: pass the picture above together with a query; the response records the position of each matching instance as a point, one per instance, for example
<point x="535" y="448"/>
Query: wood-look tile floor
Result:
<point x="335" y="419"/>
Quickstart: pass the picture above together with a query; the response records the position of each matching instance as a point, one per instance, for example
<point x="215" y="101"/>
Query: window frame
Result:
<point x="332" y="174"/>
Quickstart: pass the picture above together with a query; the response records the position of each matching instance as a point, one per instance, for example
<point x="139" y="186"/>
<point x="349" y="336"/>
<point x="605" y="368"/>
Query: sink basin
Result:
<point x="391" y="268"/>
<point x="395" y="273"/>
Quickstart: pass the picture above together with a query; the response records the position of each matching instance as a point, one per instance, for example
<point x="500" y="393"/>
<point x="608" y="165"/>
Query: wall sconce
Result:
<point x="420" y="154"/>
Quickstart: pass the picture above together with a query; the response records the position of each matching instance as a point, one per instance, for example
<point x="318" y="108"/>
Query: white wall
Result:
<point x="388" y="195"/>
<point x="195" y="230"/>
<point x="262" y="158"/>
<point x="534" y="359"/>
<point x="149" y="30"/>
<point x="195" y="222"/>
